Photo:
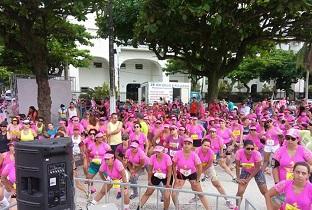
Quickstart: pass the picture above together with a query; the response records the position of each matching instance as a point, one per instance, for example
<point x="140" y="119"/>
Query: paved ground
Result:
<point x="252" y="194"/>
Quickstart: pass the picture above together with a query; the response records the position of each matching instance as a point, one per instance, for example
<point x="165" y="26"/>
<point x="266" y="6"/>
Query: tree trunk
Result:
<point x="213" y="83"/>
<point x="247" y="87"/>
<point x="307" y="85"/>
<point x="44" y="97"/>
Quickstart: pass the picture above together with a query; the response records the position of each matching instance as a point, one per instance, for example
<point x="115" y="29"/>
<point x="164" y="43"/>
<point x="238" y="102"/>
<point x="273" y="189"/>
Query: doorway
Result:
<point x="132" y="91"/>
<point x="176" y="94"/>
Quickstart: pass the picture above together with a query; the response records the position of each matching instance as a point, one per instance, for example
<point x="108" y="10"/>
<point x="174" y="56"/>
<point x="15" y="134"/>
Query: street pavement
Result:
<point x="252" y="194"/>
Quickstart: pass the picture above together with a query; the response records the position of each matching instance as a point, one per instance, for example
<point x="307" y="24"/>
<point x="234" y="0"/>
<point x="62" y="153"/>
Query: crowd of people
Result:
<point x="175" y="143"/>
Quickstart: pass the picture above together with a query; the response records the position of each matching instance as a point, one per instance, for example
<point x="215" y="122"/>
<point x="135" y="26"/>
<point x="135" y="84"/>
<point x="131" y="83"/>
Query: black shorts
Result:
<point x="190" y="177"/>
<point x="196" y="142"/>
<point x="156" y="181"/>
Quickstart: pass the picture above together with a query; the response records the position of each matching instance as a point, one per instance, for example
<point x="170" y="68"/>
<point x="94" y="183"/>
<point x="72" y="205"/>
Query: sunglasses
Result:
<point x="187" y="143"/>
<point x="250" y="149"/>
<point x="75" y="120"/>
<point x="92" y="134"/>
<point x="136" y="126"/>
<point x="290" y="138"/>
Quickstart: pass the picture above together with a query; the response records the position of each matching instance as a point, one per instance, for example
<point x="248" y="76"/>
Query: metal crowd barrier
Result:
<point x="106" y="199"/>
<point x="249" y="206"/>
<point x="9" y="207"/>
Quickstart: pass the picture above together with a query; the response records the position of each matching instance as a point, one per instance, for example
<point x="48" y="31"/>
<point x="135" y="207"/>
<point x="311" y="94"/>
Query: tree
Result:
<point x="178" y="66"/>
<point x="215" y="34"/>
<point x="97" y="93"/>
<point x="304" y="60"/>
<point x="280" y="66"/>
<point x="38" y="37"/>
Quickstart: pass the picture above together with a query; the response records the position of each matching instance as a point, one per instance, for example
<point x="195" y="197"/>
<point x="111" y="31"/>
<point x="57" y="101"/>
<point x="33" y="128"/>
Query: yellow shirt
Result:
<point x="144" y="128"/>
<point x="27" y="137"/>
<point x="306" y="136"/>
<point x="114" y="139"/>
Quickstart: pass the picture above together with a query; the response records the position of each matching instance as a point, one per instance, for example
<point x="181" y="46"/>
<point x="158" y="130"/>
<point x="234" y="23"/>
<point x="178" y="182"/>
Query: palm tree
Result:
<point x="304" y="60"/>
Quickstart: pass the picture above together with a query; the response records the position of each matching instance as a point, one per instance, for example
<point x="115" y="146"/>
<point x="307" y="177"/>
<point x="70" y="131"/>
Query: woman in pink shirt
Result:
<point x="136" y="161"/>
<point x="187" y="166"/>
<point x="248" y="166"/>
<point x="196" y="131"/>
<point x="286" y="156"/>
<point x="173" y="143"/>
<point x="206" y="156"/>
<point x="159" y="171"/>
<point x="7" y="157"/>
<point x="297" y="193"/>
<point x="112" y="170"/>
<point x="217" y="147"/>
<point x="8" y="180"/>
<point x="139" y="136"/>
<point x="255" y="137"/>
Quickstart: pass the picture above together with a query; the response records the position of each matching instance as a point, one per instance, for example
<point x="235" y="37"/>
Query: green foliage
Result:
<point x="5" y="76"/>
<point x="215" y="34"/>
<point x="225" y="87"/>
<point x="275" y="64"/>
<point x="97" y="93"/>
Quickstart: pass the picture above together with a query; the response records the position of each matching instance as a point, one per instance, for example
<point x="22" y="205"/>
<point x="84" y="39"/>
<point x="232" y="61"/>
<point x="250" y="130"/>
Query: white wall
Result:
<point x="27" y="95"/>
<point x="92" y="76"/>
<point x="180" y="77"/>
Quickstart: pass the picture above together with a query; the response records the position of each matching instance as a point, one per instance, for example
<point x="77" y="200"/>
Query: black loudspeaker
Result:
<point x="44" y="175"/>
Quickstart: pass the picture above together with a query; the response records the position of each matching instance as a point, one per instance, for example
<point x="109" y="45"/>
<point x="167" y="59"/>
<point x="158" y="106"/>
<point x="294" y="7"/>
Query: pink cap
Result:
<point x="213" y="129"/>
<point x="108" y="156"/>
<point x="99" y="135"/>
<point x="188" y="139"/>
<point x="182" y="128"/>
<point x="173" y="127"/>
<point x="166" y="125"/>
<point x="293" y="133"/>
<point x="253" y="128"/>
<point x="158" y="148"/>
<point x="134" y="145"/>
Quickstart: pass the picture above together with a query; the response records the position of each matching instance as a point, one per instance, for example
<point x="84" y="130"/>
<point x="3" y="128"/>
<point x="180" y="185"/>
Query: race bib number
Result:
<point x="194" y="136"/>
<point x="236" y="132"/>
<point x="96" y="161"/>
<point x="289" y="175"/>
<point x="270" y="142"/>
<point x="172" y="152"/>
<point x="248" y="165"/>
<point x="290" y="207"/>
<point x="116" y="183"/>
<point x="186" y="172"/>
<point x="160" y="175"/>
<point x="174" y="145"/>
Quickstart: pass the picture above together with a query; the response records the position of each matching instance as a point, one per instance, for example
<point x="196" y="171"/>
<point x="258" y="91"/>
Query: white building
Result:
<point x="134" y="66"/>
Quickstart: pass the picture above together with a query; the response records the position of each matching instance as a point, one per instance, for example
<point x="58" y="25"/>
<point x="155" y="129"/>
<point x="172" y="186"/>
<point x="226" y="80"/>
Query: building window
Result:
<point x="123" y="66"/>
<point x="206" y="81"/>
<point x="97" y="65"/>
<point x="173" y="80"/>
<point x="138" y="66"/>
<point x="84" y="89"/>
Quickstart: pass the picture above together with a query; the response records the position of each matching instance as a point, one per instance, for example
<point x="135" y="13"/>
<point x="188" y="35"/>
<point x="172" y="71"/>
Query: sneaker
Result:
<point x="133" y="196"/>
<point x="194" y="200"/>
<point x="230" y="204"/>
<point x="118" y="196"/>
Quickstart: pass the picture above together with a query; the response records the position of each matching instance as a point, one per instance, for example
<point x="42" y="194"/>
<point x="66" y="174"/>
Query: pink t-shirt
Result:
<point x="205" y="157"/>
<point x="256" y="140"/>
<point x="184" y="163"/>
<point x="162" y="165"/>
<point x="216" y="143"/>
<point x="248" y="164"/>
<point x="136" y="158"/>
<point x="195" y="131"/>
<point x="302" y="201"/>
<point x="115" y="172"/>
<point x="97" y="151"/>
<point x="272" y="135"/>
<point x="9" y="172"/>
<point x="6" y="160"/>
<point x="141" y="138"/>
<point x="287" y="163"/>
<point x="225" y="134"/>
